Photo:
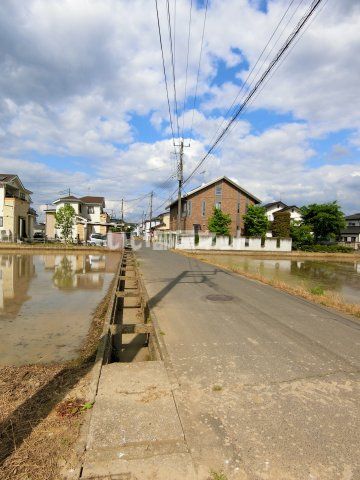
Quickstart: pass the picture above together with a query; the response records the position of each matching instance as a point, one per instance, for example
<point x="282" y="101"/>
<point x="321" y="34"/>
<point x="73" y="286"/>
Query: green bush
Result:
<point x="326" y="248"/>
<point x="281" y="225"/>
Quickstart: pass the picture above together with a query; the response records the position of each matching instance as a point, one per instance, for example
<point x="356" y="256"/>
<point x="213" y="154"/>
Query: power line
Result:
<point x="256" y="63"/>
<point x="198" y="70"/>
<point x="281" y="61"/>
<point x="164" y="72"/>
<point x="265" y="74"/>
<point x="187" y="68"/>
<point x="173" y="66"/>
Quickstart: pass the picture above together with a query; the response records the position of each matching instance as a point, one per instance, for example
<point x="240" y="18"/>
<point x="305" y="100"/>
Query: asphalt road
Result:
<point x="268" y="383"/>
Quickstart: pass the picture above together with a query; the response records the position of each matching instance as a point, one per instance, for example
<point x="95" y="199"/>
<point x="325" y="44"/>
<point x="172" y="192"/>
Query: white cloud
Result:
<point x="74" y="73"/>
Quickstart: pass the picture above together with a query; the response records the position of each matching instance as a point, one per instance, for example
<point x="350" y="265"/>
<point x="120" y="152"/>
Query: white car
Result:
<point x="97" y="239"/>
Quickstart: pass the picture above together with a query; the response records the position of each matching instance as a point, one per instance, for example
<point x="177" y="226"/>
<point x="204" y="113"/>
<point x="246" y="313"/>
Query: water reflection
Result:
<point x="341" y="277"/>
<point x="16" y="272"/>
<point x="46" y="303"/>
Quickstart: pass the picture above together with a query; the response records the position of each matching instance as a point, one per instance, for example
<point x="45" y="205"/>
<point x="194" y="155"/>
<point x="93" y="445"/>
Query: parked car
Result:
<point x="39" y="237"/>
<point x="97" y="239"/>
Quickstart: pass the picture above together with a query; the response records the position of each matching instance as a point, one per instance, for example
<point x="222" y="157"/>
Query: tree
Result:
<point x="256" y="223"/>
<point x="301" y="234"/>
<point x="65" y="220"/>
<point x="281" y="225"/>
<point x="326" y="220"/>
<point x="219" y="222"/>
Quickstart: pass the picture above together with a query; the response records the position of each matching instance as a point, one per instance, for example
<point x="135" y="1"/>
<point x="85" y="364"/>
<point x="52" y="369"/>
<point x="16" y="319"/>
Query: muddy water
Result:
<point x="46" y="303"/>
<point x="340" y="277"/>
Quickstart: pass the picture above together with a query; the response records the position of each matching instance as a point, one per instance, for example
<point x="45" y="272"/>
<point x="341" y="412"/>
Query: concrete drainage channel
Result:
<point x="134" y="431"/>
<point x="130" y="329"/>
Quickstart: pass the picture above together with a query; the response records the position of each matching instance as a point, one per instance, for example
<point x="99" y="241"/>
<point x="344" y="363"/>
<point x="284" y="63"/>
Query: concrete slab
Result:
<point x="133" y="315"/>
<point x="135" y="432"/>
<point x="177" y="466"/>
<point x="127" y="419"/>
<point x="131" y="302"/>
<point x="117" y="378"/>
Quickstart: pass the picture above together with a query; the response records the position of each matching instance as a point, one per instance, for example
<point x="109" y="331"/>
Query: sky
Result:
<point x="83" y="102"/>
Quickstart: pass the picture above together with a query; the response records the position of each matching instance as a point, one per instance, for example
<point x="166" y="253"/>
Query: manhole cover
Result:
<point x="219" y="298"/>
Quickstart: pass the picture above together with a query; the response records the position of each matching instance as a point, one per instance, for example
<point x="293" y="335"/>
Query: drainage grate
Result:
<point x="219" y="298"/>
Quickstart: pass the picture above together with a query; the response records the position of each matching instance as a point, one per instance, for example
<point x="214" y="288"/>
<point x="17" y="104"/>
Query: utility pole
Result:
<point x="122" y="211"/>
<point x="180" y="180"/>
<point x="151" y="206"/>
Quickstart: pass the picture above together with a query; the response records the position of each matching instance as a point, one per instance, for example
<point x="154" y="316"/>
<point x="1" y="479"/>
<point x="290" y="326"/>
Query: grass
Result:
<point x="317" y="290"/>
<point x="217" y="388"/>
<point x="217" y="476"/>
<point x="316" y="294"/>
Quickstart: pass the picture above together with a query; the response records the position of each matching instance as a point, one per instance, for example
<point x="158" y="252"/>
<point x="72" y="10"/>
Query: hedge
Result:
<point x="326" y="248"/>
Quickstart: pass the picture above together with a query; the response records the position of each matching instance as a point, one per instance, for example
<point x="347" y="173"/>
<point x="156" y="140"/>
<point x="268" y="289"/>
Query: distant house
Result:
<point x="164" y="219"/>
<point x="351" y="233"/>
<point x="90" y="217"/>
<point x="198" y="205"/>
<point x="274" y="207"/>
<point x="16" y="216"/>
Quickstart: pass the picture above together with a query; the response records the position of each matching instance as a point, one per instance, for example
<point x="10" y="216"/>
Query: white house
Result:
<point x="90" y="217"/>
<point x="351" y="233"/>
<point x="271" y="208"/>
<point x="161" y="222"/>
<point x="16" y="216"/>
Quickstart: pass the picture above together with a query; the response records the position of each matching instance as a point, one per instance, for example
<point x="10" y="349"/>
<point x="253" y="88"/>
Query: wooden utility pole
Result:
<point x="180" y="180"/>
<point x="122" y="211"/>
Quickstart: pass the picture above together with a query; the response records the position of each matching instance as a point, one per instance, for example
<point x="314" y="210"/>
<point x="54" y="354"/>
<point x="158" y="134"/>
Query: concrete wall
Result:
<point x="208" y="242"/>
<point x="50" y="224"/>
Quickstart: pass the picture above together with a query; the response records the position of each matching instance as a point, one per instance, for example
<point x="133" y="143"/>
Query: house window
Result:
<point x="183" y="209"/>
<point x="218" y="205"/>
<point x="90" y="210"/>
<point x="1" y="221"/>
<point x="189" y="208"/>
<point x="238" y="207"/>
<point x="203" y="208"/>
<point x="218" y="189"/>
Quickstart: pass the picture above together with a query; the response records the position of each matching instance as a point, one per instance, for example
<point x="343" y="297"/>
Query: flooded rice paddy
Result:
<point x="47" y="302"/>
<point x="340" y="277"/>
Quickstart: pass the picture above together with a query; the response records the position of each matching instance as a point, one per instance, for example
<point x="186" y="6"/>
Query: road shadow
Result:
<point x="188" y="277"/>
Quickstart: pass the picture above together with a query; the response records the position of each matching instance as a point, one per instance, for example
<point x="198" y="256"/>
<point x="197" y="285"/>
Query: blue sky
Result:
<point x="83" y="103"/>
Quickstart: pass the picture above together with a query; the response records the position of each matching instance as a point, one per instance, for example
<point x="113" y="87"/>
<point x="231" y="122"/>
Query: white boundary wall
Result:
<point x="209" y="242"/>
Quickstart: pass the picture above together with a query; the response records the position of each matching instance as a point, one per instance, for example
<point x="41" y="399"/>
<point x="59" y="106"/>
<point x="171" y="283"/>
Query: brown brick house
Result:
<point x="198" y="205"/>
